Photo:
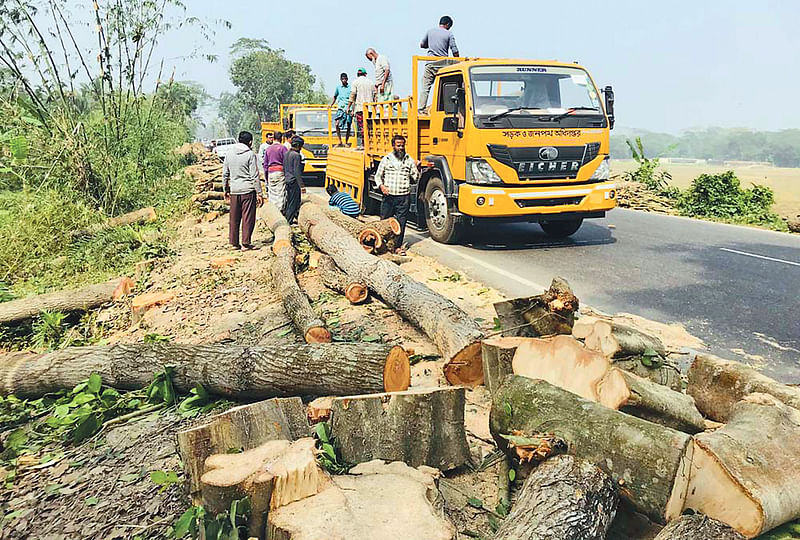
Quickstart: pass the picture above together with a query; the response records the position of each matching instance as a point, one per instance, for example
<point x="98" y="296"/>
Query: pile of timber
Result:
<point x="638" y="196"/>
<point x="207" y="176"/>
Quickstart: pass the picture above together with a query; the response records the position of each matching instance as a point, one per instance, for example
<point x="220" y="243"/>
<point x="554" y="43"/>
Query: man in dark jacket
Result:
<point x="293" y="169"/>
<point x="242" y="187"/>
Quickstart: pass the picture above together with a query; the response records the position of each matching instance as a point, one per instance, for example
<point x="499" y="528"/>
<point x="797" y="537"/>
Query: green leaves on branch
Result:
<point x="328" y="458"/>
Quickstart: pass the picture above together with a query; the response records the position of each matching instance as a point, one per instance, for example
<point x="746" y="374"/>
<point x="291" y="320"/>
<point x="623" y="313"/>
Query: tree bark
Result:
<point x="665" y="373"/>
<point x="717" y="385"/>
<point x="497" y="354"/>
<point x="616" y="340"/>
<point x="455" y="333"/>
<point x="143" y="215"/>
<point x="333" y="278"/>
<point x="208" y="196"/>
<point x="264" y="371"/>
<point x="661" y="405"/>
<point x="650" y="462"/>
<point x="546" y="314"/>
<point x="696" y="527"/>
<point x="563" y="499"/>
<point x="745" y="474"/>
<point x="81" y="299"/>
<point x="380" y="236"/>
<point x="418" y="427"/>
<point x="241" y="428"/>
<point x="279" y="226"/>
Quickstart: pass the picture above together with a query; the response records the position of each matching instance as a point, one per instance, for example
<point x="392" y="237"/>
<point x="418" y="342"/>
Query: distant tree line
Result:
<point x="780" y="148"/>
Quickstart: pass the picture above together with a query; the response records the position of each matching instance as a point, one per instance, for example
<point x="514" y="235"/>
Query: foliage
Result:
<point x="647" y="173"/>
<point x="236" y="115"/>
<point x="228" y="525"/>
<point x="788" y="531"/>
<point x="328" y="458"/>
<point x="720" y="196"/>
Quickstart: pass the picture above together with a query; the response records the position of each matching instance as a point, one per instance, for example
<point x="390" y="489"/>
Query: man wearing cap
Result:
<point x="363" y="92"/>
<point x="293" y="169"/>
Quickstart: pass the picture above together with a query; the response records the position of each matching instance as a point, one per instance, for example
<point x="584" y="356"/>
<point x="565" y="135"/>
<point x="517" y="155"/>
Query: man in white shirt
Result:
<point x="363" y="92"/>
<point x="384" y="86"/>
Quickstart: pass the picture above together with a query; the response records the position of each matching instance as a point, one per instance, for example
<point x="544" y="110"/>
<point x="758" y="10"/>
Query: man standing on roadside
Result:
<point x="363" y="92"/>
<point x="343" y="120"/>
<point x="438" y="41"/>
<point x="395" y="174"/>
<point x="262" y="150"/>
<point x="384" y="86"/>
<point x="242" y="189"/>
<point x="293" y="166"/>
<point x="273" y="167"/>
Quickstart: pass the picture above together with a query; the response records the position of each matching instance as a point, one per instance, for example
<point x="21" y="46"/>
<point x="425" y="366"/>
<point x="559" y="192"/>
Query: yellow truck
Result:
<point x="503" y="140"/>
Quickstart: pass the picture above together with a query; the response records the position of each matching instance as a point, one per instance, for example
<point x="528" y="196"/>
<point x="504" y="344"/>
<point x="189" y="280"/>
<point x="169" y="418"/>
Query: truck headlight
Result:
<point x="480" y="172"/>
<point x="603" y="171"/>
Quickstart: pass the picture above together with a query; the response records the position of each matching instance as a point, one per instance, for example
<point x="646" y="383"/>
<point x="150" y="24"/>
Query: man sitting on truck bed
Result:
<point x="396" y="172"/>
<point x="438" y="41"/>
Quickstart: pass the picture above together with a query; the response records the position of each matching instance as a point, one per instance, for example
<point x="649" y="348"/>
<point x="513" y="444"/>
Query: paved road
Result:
<point x="736" y="288"/>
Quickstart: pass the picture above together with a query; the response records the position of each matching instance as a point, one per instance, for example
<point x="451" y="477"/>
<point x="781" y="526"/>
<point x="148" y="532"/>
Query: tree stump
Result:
<point x="546" y="314"/>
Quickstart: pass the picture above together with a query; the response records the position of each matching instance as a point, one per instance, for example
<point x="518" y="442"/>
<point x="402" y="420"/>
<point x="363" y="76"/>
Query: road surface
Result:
<point x="736" y="288"/>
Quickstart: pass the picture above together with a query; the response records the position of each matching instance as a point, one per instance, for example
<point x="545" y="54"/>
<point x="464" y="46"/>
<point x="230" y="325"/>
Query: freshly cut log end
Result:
<point x="280" y="245"/>
<point x="124" y="288"/>
<point x="466" y="367"/>
<point x="371" y="240"/>
<point x="317" y="334"/>
<point x="698" y="527"/>
<point x="356" y="293"/>
<point x="397" y="371"/>
<point x="418" y="427"/>
<point x="319" y="410"/>
<point x="745" y="474"/>
<point x="563" y="499"/>
<point x="616" y="340"/>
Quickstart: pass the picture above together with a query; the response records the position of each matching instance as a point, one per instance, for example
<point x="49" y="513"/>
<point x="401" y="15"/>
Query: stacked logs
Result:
<point x="207" y="176"/>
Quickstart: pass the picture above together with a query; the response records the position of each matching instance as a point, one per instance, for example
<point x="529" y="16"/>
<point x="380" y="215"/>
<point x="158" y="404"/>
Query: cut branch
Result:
<point x="697" y="527"/>
<point x="333" y="278"/>
<point x="547" y="314"/>
<point x="616" y="340"/>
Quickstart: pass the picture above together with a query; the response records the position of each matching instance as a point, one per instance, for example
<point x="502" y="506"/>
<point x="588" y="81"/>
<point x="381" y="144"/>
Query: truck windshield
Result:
<point x="534" y="96"/>
<point x="313" y="123"/>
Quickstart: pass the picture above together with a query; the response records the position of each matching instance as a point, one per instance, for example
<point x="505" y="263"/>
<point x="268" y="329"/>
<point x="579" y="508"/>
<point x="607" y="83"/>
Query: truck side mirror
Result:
<point x="450" y="124"/>
<point x="608" y="93"/>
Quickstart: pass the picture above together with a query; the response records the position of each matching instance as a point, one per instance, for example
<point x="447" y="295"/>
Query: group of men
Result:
<point x="282" y="166"/>
<point x="349" y="99"/>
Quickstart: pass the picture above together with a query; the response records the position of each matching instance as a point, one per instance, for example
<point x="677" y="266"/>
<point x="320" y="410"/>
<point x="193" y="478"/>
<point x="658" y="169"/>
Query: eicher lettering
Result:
<point x="547" y="166"/>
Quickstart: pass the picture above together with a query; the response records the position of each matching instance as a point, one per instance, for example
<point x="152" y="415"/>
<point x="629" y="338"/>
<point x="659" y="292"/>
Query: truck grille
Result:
<point x="533" y="161"/>
<point x="527" y="203"/>
<point x="319" y="150"/>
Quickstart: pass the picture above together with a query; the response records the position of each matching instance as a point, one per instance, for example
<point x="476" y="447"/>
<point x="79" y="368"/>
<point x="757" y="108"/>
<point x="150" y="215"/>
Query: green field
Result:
<point x="785" y="182"/>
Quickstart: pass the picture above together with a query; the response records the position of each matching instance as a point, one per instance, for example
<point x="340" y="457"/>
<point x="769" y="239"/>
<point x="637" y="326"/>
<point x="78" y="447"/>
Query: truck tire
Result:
<point x="561" y="228"/>
<point x="442" y="225"/>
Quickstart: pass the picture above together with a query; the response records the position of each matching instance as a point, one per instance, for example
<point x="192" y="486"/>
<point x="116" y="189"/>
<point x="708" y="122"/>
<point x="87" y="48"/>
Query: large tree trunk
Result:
<point x="81" y="299"/>
<point x="616" y="340"/>
<point x="650" y="462"/>
<point x="260" y="372"/>
<point x="455" y="333"/>
<point x="563" y="499"/>
<point x="143" y="215"/>
<point x="294" y="299"/>
<point x="380" y="236"/>
<point x="241" y="428"/>
<point x="746" y="473"/>
<point x="661" y="405"/>
<point x="419" y="427"/>
<point x="333" y="278"/>
<point x="698" y="527"/>
<point x="547" y="314"/>
<point x="717" y="385"/>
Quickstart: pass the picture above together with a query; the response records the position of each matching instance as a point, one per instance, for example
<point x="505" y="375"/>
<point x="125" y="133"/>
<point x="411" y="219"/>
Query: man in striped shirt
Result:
<point x="395" y="174"/>
<point x="343" y="201"/>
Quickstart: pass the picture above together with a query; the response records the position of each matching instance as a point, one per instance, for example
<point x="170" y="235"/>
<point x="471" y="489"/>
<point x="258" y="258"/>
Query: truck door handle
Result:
<point x="436" y="140"/>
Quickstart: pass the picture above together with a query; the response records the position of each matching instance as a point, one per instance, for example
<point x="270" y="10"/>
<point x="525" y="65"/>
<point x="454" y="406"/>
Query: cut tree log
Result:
<point x="305" y="320"/>
<point x="418" y="427"/>
<point x="375" y="501"/>
<point x="698" y="527"/>
<point x="661" y="405"/>
<point x="563" y="499"/>
<point x="648" y="461"/>
<point x="258" y="372"/>
<point x="616" y="340"/>
<point x="547" y="314"/>
<point x="380" y="236"/>
<point x="745" y="473"/>
<point x="81" y="299"/>
<point x="143" y="215"/>
<point x="208" y="196"/>
<point x="717" y="385"/>
<point x="497" y="354"/>
<point x="663" y="373"/>
<point x="319" y="410"/>
<point x="455" y="333"/>
<point x="333" y="278"/>
<point x="272" y="475"/>
<point x="241" y="428"/>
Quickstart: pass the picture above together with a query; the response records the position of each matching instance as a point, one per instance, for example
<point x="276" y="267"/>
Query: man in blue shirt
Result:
<point x="343" y="120"/>
<point x="438" y="41"/>
<point x="343" y="201"/>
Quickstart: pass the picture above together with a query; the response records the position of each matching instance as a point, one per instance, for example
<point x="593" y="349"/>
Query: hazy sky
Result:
<point x="673" y="65"/>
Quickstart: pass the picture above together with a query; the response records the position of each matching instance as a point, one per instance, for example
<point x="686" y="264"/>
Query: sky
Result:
<point x="673" y="65"/>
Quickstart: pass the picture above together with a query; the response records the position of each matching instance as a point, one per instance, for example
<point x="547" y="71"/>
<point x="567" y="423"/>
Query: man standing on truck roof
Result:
<point x="384" y="86"/>
<point x="438" y="41"/>
<point x="395" y="174"/>
<point x="363" y="92"/>
<point x="293" y="165"/>
<point x="273" y="165"/>
<point x="343" y="119"/>
<point x="242" y="189"/>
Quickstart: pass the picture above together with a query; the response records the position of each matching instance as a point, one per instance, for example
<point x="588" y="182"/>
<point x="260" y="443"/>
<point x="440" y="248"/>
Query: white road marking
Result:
<point x="756" y="256"/>
<point x="487" y="266"/>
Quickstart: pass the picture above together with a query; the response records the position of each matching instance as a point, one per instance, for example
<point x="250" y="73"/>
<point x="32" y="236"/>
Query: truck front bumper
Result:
<point x="529" y="202"/>
<point x="314" y="166"/>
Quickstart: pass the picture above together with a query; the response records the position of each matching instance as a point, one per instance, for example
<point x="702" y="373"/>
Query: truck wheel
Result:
<point x="561" y="228"/>
<point x="443" y="226"/>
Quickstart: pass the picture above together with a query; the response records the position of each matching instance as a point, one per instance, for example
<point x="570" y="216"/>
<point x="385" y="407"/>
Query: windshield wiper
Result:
<point x="313" y="129"/>
<point x="572" y="110"/>
<point x="509" y="111"/>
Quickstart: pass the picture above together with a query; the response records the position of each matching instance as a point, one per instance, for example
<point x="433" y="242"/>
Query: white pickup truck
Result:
<point x="223" y="146"/>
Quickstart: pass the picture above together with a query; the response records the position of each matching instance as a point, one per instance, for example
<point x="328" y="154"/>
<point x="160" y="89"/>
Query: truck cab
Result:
<point x="502" y="140"/>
